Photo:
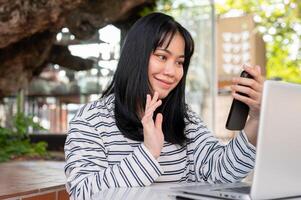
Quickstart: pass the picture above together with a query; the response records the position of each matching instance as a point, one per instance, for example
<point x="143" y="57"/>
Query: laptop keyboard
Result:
<point x="244" y="189"/>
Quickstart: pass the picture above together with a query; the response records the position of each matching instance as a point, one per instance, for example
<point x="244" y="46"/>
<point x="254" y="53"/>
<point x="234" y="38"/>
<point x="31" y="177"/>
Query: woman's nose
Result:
<point x="169" y="68"/>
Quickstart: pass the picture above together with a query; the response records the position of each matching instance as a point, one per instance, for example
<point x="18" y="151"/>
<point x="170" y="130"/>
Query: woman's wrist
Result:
<point x="154" y="154"/>
<point x="251" y="130"/>
<point x="253" y="120"/>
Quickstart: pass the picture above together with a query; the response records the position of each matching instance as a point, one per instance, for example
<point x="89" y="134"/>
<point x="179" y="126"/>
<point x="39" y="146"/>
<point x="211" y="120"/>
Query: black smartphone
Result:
<point x="239" y="111"/>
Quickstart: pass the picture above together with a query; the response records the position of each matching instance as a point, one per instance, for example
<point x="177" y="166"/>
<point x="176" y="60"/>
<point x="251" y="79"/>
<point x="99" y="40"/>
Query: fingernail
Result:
<point x="246" y="66"/>
<point x="258" y="67"/>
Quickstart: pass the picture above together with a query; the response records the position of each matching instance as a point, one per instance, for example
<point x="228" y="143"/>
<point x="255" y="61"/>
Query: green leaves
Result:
<point x="22" y="122"/>
<point x="283" y="50"/>
<point x="14" y="141"/>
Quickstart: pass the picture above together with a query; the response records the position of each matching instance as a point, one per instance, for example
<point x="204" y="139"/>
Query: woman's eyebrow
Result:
<point x="169" y="52"/>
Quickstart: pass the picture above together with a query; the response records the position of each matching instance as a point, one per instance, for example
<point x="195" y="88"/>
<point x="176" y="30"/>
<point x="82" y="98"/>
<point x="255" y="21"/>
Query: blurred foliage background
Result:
<point x="279" y="22"/>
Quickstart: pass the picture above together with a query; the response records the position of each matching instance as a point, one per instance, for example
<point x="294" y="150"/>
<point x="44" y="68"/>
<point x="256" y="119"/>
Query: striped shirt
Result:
<point x="98" y="156"/>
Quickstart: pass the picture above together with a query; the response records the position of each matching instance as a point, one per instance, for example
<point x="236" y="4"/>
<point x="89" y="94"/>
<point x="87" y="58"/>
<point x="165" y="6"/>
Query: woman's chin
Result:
<point x="163" y="95"/>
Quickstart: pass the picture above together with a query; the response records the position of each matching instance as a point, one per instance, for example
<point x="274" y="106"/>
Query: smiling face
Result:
<point x="165" y="69"/>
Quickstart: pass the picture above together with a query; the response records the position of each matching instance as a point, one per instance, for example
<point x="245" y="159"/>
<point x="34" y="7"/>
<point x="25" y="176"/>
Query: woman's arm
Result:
<point x="152" y="130"/>
<point x="216" y="162"/>
<point x="252" y="88"/>
<point x="87" y="168"/>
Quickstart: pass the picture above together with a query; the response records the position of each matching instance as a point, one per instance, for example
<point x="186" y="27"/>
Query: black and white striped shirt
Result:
<point x="98" y="156"/>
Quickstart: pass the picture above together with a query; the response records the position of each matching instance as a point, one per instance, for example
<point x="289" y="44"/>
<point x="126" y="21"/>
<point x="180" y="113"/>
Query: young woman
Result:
<point x="141" y="131"/>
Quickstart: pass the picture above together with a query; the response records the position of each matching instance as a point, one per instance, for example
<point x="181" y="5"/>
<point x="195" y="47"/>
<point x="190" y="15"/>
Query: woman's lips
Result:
<point x="164" y="84"/>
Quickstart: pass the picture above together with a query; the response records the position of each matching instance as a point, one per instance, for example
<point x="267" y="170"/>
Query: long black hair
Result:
<point x="130" y="83"/>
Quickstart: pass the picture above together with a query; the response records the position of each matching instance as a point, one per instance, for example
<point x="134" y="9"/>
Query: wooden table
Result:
<point x="32" y="180"/>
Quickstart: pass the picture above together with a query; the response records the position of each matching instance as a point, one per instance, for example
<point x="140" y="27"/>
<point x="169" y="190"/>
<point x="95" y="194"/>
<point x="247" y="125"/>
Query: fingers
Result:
<point x="246" y="82"/>
<point x="151" y="105"/>
<point x="249" y="90"/>
<point x="255" y="84"/>
<point x="254" y="71"/>
<point x="159" y="120"/>
<point x="249" y="101"/>
<point x="151" y="109"/>
<point x="243" y="90"/>
<point x="148" y="100"/>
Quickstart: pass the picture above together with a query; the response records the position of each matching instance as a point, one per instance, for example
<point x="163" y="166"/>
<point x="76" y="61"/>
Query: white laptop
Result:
<point x="277" y="172"/>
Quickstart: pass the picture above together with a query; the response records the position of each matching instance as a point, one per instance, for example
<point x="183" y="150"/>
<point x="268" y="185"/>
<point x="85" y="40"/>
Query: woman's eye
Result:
<point x="181" y="63"/>
<point x="161" y="57"/>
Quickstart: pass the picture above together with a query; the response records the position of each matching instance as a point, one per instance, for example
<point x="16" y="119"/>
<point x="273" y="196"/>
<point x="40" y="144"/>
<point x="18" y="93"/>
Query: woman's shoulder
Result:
<point x="194" y="124"/>
<point x="192" y="116"/>
<point x="103" y="107"/>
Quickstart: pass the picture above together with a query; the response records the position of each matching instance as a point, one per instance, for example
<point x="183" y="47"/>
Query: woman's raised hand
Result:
<point x="251" y="87"/>
<point x="152" y="131"/>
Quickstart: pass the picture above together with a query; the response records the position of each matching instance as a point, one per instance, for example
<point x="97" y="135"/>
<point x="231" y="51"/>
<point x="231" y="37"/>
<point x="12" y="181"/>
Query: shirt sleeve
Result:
<point x="87" y="169"/>
<point x="216" y="162"/>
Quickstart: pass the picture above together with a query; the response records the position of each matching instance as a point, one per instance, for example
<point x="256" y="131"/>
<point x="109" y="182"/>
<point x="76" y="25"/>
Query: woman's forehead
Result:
<point x="166" y="39"/>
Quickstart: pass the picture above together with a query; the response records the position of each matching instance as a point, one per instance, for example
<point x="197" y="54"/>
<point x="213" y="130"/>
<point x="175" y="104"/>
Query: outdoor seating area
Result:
<point x="32" y="180"/>
<point x="56" y="57"/>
